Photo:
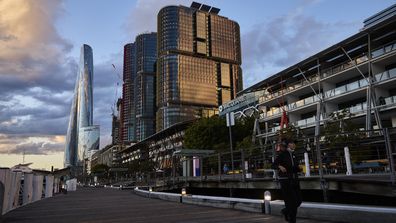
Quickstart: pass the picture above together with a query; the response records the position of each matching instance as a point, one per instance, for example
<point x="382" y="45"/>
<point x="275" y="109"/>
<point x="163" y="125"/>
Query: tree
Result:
<point x="100" y="169"/>
<point x="340" y="129"/>
<point x="207" y="133"/>
<point x="212" y="133"/>
<point x="293" y="133"/>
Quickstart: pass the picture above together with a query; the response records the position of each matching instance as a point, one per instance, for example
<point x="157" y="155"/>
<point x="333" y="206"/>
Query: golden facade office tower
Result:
<point x="198" y="66"/>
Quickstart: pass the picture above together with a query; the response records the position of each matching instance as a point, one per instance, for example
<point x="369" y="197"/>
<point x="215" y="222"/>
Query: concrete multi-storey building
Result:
<point x="357" y="74"/>
<point x="198" y="63"/>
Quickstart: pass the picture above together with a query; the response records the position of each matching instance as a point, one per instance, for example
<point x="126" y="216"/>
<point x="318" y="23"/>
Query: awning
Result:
<point x="193" y="152"/>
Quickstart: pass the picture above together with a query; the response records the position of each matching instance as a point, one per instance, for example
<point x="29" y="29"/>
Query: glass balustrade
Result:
<point x="310" y="120"/>
<point x="346" y="88"/>
<point x="341" y="67"/>
<point x="392" y="73"/>
<point x="340" y="90"/>
<point x="300" y="103"/>
<point x="290" y="88"/>
<point x="383" y="50"/>
<point x="308" y="100"/>
<point x="301" y="122"/>
<point x="385" y="75"/>
<point x="389" y="101"/>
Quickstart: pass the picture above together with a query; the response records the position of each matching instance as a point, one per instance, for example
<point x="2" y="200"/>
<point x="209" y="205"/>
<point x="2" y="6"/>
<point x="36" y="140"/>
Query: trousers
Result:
<point x="292" y="196"/>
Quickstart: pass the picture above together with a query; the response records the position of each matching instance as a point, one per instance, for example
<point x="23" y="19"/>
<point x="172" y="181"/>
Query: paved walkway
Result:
<point x="110" y="205"/>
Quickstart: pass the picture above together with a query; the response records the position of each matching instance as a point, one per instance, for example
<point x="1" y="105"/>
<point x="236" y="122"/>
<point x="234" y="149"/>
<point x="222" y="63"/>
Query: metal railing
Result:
<point x="343" y="155"/>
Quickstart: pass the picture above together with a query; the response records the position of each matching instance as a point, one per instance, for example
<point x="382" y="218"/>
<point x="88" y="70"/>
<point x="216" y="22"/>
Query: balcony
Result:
<point x="306" y="122"/>
<point x="289" y="88"/>
<point x="386" y="75"/>
<point x="341" y="67"/>
<point x="383" y="50"/>
<point x="346" y="88"/>
<point x="358" y="109"/>
<point x="389" y="101"/>
<point x="303" y="102"/>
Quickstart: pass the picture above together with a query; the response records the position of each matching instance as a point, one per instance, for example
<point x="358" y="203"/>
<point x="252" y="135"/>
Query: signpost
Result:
<point x="231" y="122"/>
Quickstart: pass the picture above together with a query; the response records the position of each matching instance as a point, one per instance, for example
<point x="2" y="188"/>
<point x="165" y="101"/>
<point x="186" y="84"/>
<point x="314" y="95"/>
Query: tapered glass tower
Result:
<point x="81" y="114"/>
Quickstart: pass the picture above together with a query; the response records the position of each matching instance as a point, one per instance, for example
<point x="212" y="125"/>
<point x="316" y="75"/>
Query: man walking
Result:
<point x="288" y="168"/>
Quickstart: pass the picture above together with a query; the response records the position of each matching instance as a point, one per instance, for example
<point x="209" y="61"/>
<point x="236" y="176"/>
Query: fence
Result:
<point x="343" y="154"/>
<point x="24" y="188"/>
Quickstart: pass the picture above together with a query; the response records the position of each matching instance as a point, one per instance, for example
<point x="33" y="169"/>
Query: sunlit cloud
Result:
<point x="24" y="144"/>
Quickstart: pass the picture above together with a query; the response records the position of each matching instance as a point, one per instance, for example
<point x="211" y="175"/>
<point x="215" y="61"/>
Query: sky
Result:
<point x="40" y="44"/>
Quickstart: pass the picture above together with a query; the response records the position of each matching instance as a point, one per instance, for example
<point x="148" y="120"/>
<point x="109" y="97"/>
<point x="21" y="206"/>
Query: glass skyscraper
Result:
<point x="81" y="114"/>
<point x="146" y="56"/>
<point x="128" y="116"/>
<point x="138" y="96"/>
<point x="198" y="67"/>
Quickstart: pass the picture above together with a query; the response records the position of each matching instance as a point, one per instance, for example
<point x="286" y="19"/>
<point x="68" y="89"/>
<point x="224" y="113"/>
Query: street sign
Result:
<point x="230" y="117"/>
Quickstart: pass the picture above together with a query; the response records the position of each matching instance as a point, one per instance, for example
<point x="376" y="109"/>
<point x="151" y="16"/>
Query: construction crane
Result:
<point x="113" y="106"/>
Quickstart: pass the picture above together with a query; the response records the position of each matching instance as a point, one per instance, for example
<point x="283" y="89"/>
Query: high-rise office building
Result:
<point x="127" y="117"/>
<point x="198" y="67"/>
<point x="146" y="56"/>
<point x="82" y="136"/>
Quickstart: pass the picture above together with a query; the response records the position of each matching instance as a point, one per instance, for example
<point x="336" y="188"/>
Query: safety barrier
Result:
<point x="311" y="210"/>
<point x="23" y="188"/>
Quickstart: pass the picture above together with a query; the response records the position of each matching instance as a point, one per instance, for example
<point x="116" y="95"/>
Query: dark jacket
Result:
<point x="288" y="160"/>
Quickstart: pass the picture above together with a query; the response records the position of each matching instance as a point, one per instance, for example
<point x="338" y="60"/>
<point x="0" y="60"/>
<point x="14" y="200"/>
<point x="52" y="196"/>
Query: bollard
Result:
<point x="348" y="161"/>
<point x="267" y="202"/>
<point x="183" y="193"/>
<point x="307" y="166"/>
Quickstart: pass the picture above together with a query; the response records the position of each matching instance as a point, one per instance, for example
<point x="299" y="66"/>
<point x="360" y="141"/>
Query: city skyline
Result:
<point x="37" y="86"/>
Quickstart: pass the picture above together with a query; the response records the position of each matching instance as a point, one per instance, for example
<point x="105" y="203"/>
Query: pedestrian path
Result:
<point x="110" y="205"/>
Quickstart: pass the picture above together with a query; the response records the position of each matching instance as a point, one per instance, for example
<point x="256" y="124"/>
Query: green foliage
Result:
<point x="340" y="129"/>
<point x="212" y="133"/>
<point x="293" y="133"/>
<point x="100" y="169"/>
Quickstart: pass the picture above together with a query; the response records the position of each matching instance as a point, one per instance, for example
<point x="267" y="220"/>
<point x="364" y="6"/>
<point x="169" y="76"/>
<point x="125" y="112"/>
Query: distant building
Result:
<point x="146" y="56"/>
<point x="127" y="117"/>
<point x="115" y="124"/>
<point x="198" y="67"/>
<point x="81" y="114"/>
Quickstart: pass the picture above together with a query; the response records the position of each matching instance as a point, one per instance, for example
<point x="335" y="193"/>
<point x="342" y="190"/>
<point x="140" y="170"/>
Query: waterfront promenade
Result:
<point x="111" y="205"/>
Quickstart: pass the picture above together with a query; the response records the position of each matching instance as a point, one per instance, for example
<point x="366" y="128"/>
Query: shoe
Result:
<point x="285" y="214"/>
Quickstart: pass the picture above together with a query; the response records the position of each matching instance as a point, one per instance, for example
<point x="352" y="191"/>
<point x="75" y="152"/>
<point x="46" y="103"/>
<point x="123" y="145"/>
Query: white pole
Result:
<point x="49" y="185"/>
<point x="5" y="178"/>
<point x="37" y="187"/>
<point x="348" y="161"/>
<point x="27" y="188"/>
<point x="307" y="166"/>
<point x="15" y="186"/>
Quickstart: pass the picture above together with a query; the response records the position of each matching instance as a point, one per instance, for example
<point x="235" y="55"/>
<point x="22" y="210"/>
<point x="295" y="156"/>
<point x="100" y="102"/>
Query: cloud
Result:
<point x="39" y="145"/>
<point x="36" y="77"/>
<point x="282" y="41"/>
<point x="143" y="17"/>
